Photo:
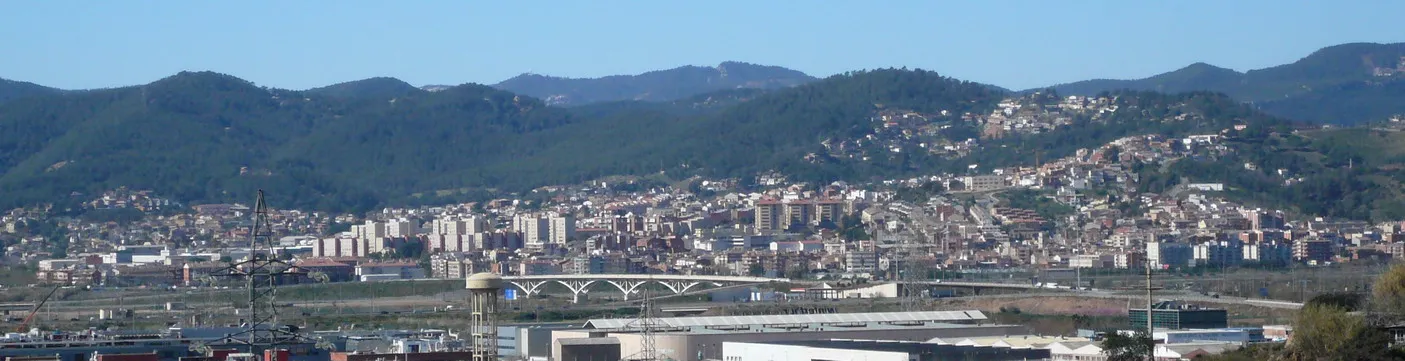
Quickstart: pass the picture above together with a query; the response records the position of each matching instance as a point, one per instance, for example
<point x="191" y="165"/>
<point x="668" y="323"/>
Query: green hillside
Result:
<point x="1339" y="84"/>
<point x="11" y="90"/>
<point x="1353" y="173"/>
<point x="207" y="137"/>
<point x="371" y="88"/>
<point x="658" y="86"/>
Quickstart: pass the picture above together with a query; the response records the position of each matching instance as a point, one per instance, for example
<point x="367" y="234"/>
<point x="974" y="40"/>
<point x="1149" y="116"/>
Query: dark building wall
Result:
<point x="1179" y="319"/>
<point x="422" y="356"/>
<point x="602" y="352"/>
<point x="163" y="350"/>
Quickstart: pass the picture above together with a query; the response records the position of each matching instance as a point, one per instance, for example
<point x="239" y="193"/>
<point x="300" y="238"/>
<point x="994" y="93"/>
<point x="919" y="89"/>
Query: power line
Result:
<point x="647" y="325"/>
<point x="908" y="282"/>
<point x="261" y="272"/>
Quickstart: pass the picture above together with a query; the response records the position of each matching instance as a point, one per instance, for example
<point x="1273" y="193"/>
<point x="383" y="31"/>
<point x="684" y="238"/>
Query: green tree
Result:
<point x="1112" y="154"/>
<point x="797" y="272"/>
<point x="1259" y="352"/>
<point x="1327" y="332"/>
<point x="1343" y="300"/>
<point x="1388" y="294"/>
<point x="756" y="270"/>
<point x="338" y="227"/>
<point x="1135" y="347"/>
<point x="1326" y="328"/>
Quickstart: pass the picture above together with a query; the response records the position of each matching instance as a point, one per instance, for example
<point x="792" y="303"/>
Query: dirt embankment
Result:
<point x="1239" y="315"/>
<point x="1048" y="305"/>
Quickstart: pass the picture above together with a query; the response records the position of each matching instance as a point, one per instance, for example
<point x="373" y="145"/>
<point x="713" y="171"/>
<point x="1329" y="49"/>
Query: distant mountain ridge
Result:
<point x="1306" y="89"/>
<point x="201" y="137"/>
<point x="210" y="137"/>
<point x="659" y="85"/>
<point x="378" y="87"/>
<point x="14" y="89"/>
<point x="1197" y="76"/>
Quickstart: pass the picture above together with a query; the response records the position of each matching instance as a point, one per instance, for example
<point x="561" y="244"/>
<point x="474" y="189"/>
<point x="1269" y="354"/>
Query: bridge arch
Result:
<point x="627" y="284"/>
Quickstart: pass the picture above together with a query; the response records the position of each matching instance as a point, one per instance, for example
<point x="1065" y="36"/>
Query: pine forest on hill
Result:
<point x="203" y="137"/>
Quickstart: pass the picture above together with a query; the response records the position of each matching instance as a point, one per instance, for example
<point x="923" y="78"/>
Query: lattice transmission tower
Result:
<point x="647" y="324"/>
<point x="261" y="272"/>
<point x="911" y="283"/>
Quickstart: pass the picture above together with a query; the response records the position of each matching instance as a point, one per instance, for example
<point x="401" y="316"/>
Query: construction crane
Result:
<point x="24" y="325"/>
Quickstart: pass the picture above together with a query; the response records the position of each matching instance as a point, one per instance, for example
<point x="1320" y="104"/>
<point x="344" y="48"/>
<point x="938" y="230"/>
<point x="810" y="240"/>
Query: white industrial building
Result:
<point x="1179" y="351"/>
<point x="871" y="350"/>
<point x="695" y="338"/>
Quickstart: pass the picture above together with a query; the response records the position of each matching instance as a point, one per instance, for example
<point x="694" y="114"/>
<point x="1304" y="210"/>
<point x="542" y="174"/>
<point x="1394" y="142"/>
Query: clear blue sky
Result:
<point x="1015" y="44"/>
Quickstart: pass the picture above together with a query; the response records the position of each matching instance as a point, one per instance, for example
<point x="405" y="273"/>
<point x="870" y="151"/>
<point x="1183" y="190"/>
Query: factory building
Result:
<point x="871" y="350"/>
<point x="1177" y="316"/>
<point x="698" y="338"/>
<point x="528" y="340"/>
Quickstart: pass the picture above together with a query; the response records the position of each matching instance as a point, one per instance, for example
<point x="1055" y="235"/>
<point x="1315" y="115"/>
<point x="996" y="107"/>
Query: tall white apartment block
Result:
<point x="373" y="230"/>
<point x="536" y="230"/>
<point x="401" y="228"/>
<point x="562" y="228"/>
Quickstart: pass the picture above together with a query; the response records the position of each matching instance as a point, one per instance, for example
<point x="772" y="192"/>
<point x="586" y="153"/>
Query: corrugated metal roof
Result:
<point x="926" y="316"/>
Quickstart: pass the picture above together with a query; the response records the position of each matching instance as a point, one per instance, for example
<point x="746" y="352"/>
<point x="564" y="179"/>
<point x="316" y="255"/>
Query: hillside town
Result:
<point x="1079" y="213"/>
<point x="1082" y="211"/>
<point x="674" y="181"/>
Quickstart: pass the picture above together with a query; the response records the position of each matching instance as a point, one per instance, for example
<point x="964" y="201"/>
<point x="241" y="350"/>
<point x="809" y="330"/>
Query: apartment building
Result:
<point x="1169" y="254"/>
<point x="829" y="210"/>
<point x="562" y="228"/>
<point x="768" y="213"/>
<point x="538" y="230"/>
<point x="1312" y="250"/>
<point x="981" y="183"/>
<point x="535" y="230"/>
<point x="797" y="213"/>
<point x="782" y="215"/>
<point x="402" y="228"/>
<point x="344" y="247"/>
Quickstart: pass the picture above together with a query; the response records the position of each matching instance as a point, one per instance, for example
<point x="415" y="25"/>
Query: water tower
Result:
<point x="483" y="305"/>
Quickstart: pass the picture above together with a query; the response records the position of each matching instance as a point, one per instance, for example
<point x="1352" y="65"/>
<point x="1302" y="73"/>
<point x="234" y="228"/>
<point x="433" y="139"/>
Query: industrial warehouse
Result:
<point x="703" y="338"/>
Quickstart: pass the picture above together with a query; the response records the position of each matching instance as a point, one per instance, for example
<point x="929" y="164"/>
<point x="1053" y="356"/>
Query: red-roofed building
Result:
<point x="335" y="271"/>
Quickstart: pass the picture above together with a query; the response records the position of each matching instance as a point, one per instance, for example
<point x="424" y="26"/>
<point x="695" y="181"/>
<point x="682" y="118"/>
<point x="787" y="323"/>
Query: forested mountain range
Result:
<point x="1342" y="84"/>
<point x="12" y="89"/>
<point x="207" y="137"/>
<point x="660" y="85"/>
<point x="373" y="88"/>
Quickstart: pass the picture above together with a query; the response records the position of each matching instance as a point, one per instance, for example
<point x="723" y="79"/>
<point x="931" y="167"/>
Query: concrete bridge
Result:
<point x="628" y="284"/>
